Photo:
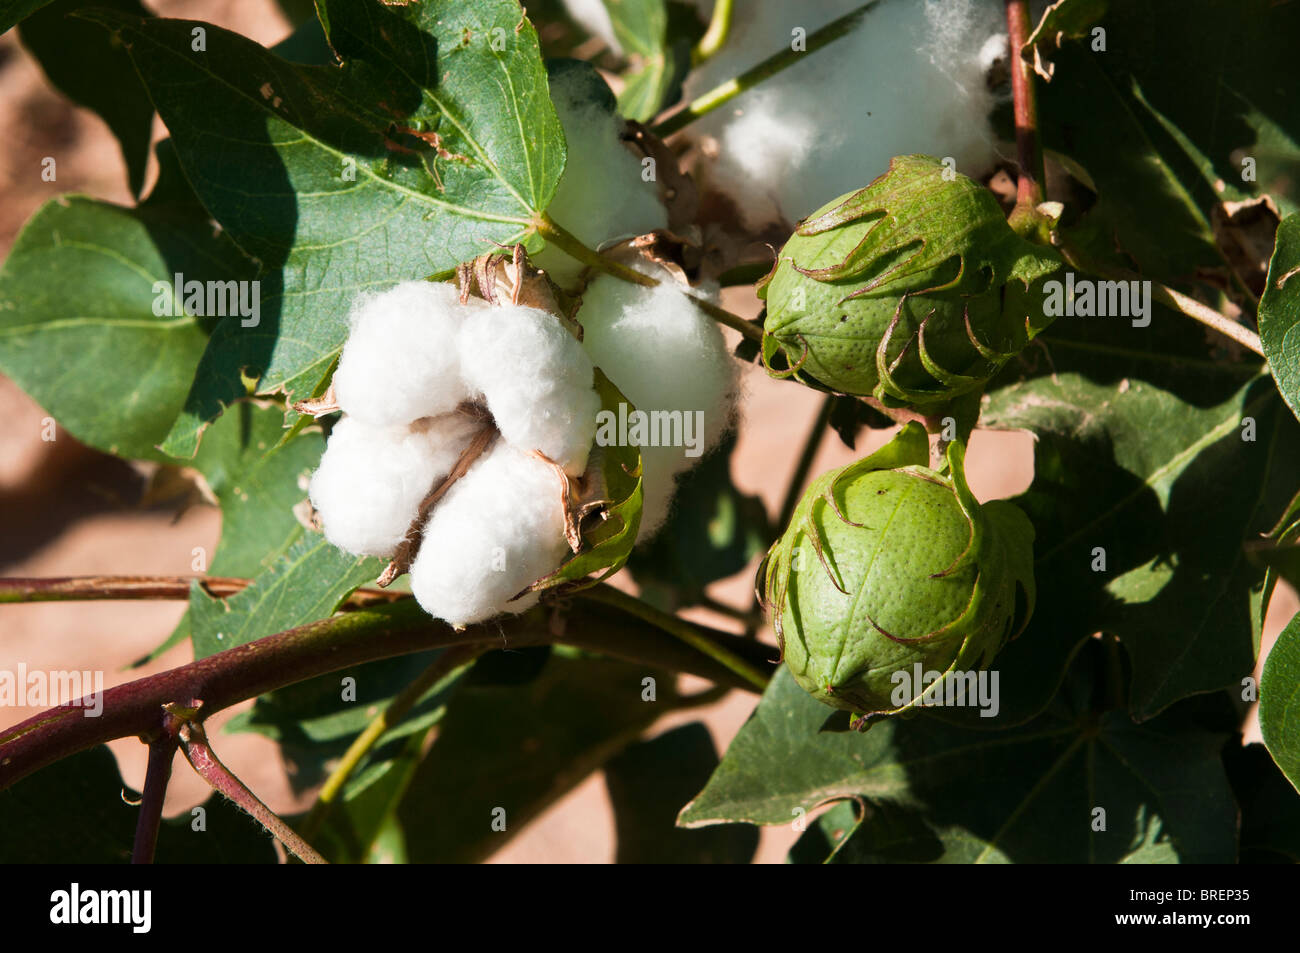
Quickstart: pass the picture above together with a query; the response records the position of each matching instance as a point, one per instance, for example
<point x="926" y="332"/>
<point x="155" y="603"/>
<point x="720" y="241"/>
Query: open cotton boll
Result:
<point x="370" y="481"/>
<point x="602" y="197"/>
<point x="664" y="354"/>
<point x="908" y="79"/>
<point x="498" y="530"/>
<point x="535" y="379"/>
<point x="400" y="361"/>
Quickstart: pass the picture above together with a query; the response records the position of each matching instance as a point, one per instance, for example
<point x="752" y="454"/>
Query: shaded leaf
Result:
<point x="1279" y="313"/>
<point x="1162" y="785"/>
<point x="648" y="784"/>
<point x="1279" y="702"/>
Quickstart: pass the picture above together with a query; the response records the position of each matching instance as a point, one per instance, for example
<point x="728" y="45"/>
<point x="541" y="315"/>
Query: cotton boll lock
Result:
<point x="664" y="354"/>
<point x="400" y="361"/>
<point x="371" y="479"/>
<point x="500" y="528"/>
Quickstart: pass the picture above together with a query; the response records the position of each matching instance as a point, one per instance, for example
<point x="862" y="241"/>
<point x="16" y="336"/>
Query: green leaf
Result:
<point x="78" y="330"/>
<point x="504" y="752"/>
<point x="1162" y="119"/>
<point x="93" y="71"/>
<point x="434" y="141"/>
<point x="657" y="36"/>
<point x="306" y="584"/>
<point x="1279" y="313"/>
<point x="74" y="812"/>
<point x="1130" y="473"/>
<point x="649" y="782"/>
<point x="14" y="11"/>
<point x="1162" y="785"/>
<point x="606" y="547"/>
<point x="314" y="723"/>
<point x="1279" y="702"/>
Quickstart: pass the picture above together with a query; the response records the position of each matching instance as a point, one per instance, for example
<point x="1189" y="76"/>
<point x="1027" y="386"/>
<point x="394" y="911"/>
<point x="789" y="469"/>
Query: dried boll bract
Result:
<point x="498" y="530"/>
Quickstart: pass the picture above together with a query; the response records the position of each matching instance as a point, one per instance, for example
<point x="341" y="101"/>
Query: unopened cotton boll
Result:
<point x="371" y="480"/>
<point x="400" y="361"/>
<point x="602" y="196"/>
<point x="909" y="78"/>
<point x="499" y="529"/>
<point x="664" y="354"/>
<point x="535" y="379"/>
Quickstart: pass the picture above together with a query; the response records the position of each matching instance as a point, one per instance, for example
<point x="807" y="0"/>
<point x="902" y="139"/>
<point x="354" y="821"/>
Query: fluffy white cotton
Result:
<point x="594" y="17"/>
<point x="371" y="480"/>
<point x="602" y="197"/>
<point x="664" y="354"/>
<point x="908" y="79"/>
<point x="400" y="361"/>
<point x="497" y="531"/>
<point x="535" y="379"/>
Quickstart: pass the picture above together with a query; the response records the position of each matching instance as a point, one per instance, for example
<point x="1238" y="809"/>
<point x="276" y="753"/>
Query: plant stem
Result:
<point x="686" y="631"/>
<point x="1208" y="317"/>
<point x="755" y="75"/>
<point x="564" y="240"/>
<point x="802" y="468"/>
<point x="1165" y="295"/>
<point x="1029" y="189"/>
<point x="571" y="246"/>
<point x="330" y="645"/>
<point x="716" y="35"/>
<point x="209" y="767"/>
<point x="94" y="588"/>
<point x="162" y="750"/>
<point x="449" y="663"/>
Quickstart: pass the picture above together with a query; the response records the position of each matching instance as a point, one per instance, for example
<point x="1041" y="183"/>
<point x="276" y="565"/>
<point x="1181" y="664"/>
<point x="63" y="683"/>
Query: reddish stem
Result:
<point x="161" y="752"/>
<point x="92" y="588"/>
<point x="1029" y="191"/>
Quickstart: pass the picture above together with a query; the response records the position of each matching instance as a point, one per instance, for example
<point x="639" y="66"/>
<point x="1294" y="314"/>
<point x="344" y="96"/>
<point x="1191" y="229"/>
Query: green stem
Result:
<point x="688" y="633"/>
<point x="450" y="663"/>
<point x="564" y="240"/>
<point x="716" y="35"/>
<point x="764" y="70"/>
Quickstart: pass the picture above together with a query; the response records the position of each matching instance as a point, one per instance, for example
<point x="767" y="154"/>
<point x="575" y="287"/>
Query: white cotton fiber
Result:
<point x="497" y="531"/>
<point x="400" y="361"/>
<point x="602" y="196"/>
<point x="908" y="79"/>
<point x="535" y="379"/>
<point x="663" y="353"/>
<point x="371" y="480"/>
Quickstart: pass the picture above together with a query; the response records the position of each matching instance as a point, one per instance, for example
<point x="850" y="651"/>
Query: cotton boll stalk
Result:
<point x="499" y="529"/>
<point x="400" y="361"/>
<point x="368" y="487"/>
<point x="602" y="196"/>
<point x="664" y="354"/>
<point x="909" y="78"/>
<point x="535" y="379"/>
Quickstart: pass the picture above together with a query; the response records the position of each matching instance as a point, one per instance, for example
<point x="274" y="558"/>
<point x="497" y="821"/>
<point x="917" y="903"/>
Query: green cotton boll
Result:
<point x="913" y="290"/>
<point x="887" y="563"/>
